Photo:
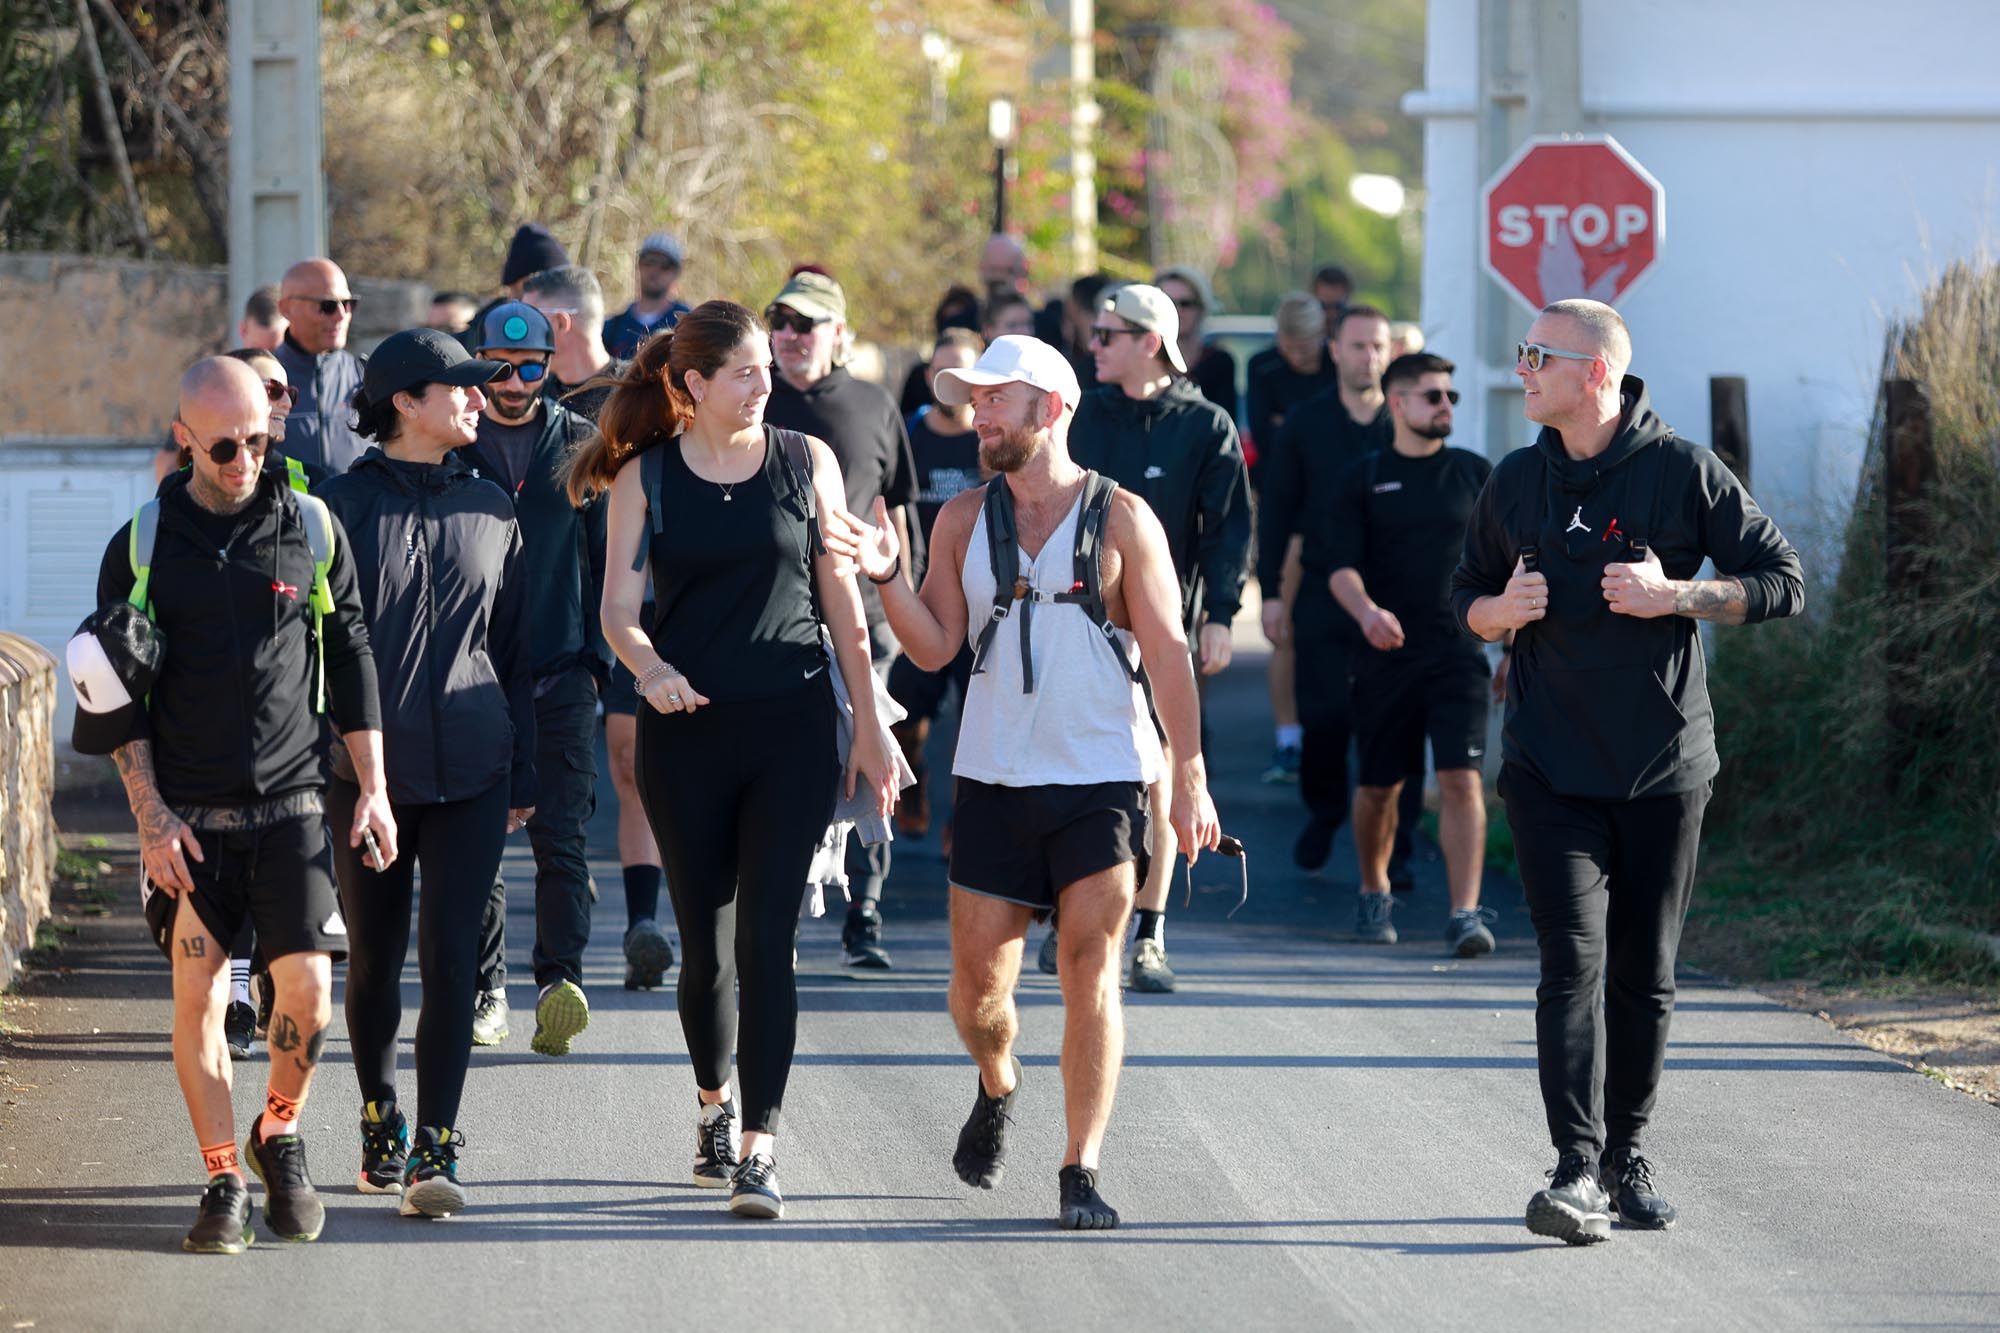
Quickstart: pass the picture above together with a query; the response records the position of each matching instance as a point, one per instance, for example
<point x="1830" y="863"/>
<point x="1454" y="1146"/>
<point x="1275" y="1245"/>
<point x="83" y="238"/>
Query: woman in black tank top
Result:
<point x="737" y="764"/>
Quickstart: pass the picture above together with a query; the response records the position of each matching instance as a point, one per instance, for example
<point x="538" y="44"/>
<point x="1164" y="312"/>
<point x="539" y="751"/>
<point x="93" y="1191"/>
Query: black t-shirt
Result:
<point x="513" y="447"/>
<point x="1401" y="522"/>
<point x="946" y="465"/>
<point x="589" y="403"/>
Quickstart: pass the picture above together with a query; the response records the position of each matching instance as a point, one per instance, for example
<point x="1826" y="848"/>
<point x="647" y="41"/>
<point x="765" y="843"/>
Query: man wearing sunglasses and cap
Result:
<point x="1585" y="549"/>
<point x="316" y="300"/>
<point x="222" y="758"/>
<point x="524" y="439"/>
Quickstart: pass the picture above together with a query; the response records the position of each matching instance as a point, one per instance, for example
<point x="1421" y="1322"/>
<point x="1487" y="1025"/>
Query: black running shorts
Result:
<point x="279" y="877"/>
<point x="1027" y="844"/>
<point x="1401" y="701"/>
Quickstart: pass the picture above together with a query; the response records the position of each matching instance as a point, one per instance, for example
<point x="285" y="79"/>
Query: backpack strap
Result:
<point x="797" y="456"/>
<point x="317" y="520"/>
<point x="1004" y="552"/>
<point x="144" y="535"/>
<point x="295" y="472"/>
<point x="652" y="471"/>
<point x="1088" y="589"/>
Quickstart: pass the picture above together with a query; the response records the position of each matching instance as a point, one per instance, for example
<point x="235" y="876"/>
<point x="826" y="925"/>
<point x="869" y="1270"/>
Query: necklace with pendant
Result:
<point x="727" y="487"/>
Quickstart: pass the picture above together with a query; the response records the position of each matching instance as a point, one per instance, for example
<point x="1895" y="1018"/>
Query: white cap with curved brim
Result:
<point x="1149" y="308"/>
<point x="1011" y="357"/>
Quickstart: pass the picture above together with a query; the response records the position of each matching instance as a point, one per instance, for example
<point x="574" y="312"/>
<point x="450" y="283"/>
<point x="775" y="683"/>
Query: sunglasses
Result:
<point x="783" y="320"/>
<point x="1436" y="396"/>
<point x="1100" y="336"/>
<point x="223" y="452"/>
<point x="1534" y="355"/>
<point x="1232" y="847"/>
<point x="530" y="372"/>
<point x="281" y="393"/>
<point x="328" y="305"/>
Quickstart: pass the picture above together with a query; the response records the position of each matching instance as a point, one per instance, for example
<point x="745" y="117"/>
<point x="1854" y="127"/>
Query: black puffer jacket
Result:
<point x="439" y="560"/>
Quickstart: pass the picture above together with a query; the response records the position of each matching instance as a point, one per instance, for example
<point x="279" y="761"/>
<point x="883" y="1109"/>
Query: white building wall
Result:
<point x="1820" y="158"/>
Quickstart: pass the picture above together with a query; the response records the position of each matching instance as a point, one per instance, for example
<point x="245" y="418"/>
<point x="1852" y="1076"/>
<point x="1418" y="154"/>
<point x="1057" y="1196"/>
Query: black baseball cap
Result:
<point x="423" y="356"/>
<point x="113" y="659"/>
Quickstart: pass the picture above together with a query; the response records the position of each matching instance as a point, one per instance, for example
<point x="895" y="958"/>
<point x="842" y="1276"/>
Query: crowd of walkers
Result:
<point x="363" y="633"/>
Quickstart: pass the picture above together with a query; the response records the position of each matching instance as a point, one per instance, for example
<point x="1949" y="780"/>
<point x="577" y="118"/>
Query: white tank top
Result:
<point x="1086" y="721"/>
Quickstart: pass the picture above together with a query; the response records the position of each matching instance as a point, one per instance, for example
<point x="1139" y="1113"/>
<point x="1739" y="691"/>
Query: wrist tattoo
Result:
<point x="1720" y="600"/>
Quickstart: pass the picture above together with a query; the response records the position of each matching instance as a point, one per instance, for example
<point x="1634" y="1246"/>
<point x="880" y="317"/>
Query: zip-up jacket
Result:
<point x="1601" y="705"/>
<point x="231" y="716"/>
<point x="438" y="557"/>
<point x="563" y="548"/>
<point x="1180" y="452"/>
<point x="319" y="431"/>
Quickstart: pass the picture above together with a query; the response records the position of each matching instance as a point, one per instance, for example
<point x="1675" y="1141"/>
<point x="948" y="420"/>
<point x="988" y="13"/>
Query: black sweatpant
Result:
<point x="1608" y="884"/>
<point x="456" y="845"/>
<point x="739" y="795"/>
<point x="1322" y="680"/>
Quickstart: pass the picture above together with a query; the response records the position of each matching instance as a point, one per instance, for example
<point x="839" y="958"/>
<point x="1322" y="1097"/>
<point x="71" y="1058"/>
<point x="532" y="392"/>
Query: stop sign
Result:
<point x="1571" y="216"/>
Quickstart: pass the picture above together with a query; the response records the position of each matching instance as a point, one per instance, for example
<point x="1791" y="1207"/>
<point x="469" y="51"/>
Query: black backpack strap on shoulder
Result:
<point x="1642" y="541"/>
<point x="1004" y="552"/>
<point x="797" y="455"/>
<point x="1088" y="589"/>
<point x="652" y="472"/>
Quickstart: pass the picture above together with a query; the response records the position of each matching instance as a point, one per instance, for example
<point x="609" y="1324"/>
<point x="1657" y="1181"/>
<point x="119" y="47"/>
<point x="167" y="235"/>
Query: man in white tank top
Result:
<point x="1055" y="747"/>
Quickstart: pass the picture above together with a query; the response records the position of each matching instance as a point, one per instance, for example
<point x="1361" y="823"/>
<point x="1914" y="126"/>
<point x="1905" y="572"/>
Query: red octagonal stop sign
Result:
<point x="1571" y="216"/>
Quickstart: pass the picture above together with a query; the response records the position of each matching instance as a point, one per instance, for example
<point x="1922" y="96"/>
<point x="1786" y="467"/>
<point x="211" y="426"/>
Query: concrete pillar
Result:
<point x="277" y="187"/>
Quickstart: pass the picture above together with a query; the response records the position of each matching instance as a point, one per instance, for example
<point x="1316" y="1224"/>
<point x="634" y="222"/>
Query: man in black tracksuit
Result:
<point x="523" y="440"/>
<point x="1584" y="548"/>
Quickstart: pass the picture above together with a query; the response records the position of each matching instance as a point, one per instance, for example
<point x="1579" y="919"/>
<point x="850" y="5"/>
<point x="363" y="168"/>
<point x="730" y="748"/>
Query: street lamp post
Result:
<point x="1000" y="129"/>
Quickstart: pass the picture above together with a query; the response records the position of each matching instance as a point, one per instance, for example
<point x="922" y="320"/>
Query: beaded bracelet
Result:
<point x="653" y="675"/>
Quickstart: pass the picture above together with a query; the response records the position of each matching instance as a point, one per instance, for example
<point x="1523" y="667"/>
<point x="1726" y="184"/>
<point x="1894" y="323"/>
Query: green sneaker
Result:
<point x="560" y="1015"/>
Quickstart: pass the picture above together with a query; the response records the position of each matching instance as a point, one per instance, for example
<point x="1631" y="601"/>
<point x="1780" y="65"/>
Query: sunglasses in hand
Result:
<point x="1228" y="846"/>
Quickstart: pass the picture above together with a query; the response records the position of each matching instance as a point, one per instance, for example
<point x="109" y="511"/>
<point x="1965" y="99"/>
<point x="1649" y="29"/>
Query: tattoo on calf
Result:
<point x="314" y="1046"/>
<point x="285" y="1033"/>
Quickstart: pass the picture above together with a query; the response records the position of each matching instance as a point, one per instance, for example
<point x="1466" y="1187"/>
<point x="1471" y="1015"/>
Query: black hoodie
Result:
<point x="1601" y="705"/>
<point x="442" y="573"/>
<point x="1180" y="453"/>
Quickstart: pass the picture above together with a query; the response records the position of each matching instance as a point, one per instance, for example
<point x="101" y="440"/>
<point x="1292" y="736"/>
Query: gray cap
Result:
<point x="664" y="244"/>
<point x="517" y="327"/>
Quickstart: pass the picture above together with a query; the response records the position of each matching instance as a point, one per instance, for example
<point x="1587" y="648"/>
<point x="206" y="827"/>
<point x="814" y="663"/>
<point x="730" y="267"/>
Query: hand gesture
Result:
<point x="1640" y="588"/>
<point x="1192" y="813"/>
<point x="1382" y="630"/>
<point x="1525" y="599"/>
<point x="518" y="817"/>
<point x="163" y="837"/>
<point x="873" y="548"/>
<point x="371" y="812"/>
<point x="671" y="693"/>
<point x="1215" y="648"/>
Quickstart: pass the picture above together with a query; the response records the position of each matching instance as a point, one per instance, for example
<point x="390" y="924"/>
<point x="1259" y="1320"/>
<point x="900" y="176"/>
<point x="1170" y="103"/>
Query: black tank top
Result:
<point x="732" y="580"/>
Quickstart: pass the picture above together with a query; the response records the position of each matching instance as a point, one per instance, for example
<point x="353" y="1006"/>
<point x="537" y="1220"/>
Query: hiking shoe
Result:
<point x="1466" y="935"/>
<point x="1284" y="766"/>
<point x="715" y="1144"/>
<point x="224" y="1225"/>
<point x="1149" y="971"/>
<point x="649" y="955"/>
<point x="981" y="1156"/>
<point x="1083" y="1208"/>
<point x="1574" y="1208"/>
<point x="292" y="1210"/>
<point x="430" y="1185"/>
<point x="1315" y="844"/>
<point x="1371" y="918"/>
<point x="489" y="1018"/>
<point x="239" y="1029"/>
<point x="753" y="1190"/>
<point x="1628" y="1178"/>
<point x="1046" y="959"/>
<point x="861" y="940"/>
<point x="560" y="1015"/>
<point x="385" y="1149"/>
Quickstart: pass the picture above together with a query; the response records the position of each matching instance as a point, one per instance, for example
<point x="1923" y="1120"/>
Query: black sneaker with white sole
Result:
<point x="753" y="1190"/>
<point x="430" y="1186"/>
<point x="385" y="1149"/>
<point x="649" y="955"/>
<point x="224" y="1224"/>
<point x="1083" y="1208"/>
<point x="981" y="1156"/>
<point x="1574" y="1209"/>
<point x="1635" y="1196"/>
<point x="239" y="1029"/>
<point x="292" y="1210"/>
<point x="861" y="940"/>
<point x="715" y="1145"/>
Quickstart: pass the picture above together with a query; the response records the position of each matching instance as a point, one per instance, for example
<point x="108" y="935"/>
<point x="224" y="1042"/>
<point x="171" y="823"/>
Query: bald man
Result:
<point x="222" y="766"/>
<point x="1003" y="266"/>
<point x="314" y="297"/>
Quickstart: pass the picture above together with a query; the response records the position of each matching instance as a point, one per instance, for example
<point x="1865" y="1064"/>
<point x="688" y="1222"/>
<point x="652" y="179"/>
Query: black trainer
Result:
<point x="292" y="1209"/>
<point x="1635" y="1197"/>
<point x="430" y="1185"/>
<point x="1083" y="1208"/>
<point x="224" y="1224"/>
<point x="1315" y="844"/>
<point x="753" y="1190"/>
<point x="385" y="1149"/>
<point x="1574" y="1208"/>
<point x="649" y="955"/>
<point x="239" y="1029"/>
<point x="861" y="940"/>
<point x="981" y="1156"/>
<point x="715" y="1145"/>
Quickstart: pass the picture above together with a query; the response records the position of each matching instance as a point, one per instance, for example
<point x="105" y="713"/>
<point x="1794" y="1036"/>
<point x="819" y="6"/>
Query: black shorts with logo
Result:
<point x="279" y="877"/>
<point x="1401" y="700"/>
<point x="1026" y="844"/>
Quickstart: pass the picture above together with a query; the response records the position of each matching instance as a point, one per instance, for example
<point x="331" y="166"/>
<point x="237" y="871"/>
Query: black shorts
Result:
<point x="1026" y="844"/>
<point x="620" y="691"/>
<point x="1400" y="701"/>
<point x="922" y="693"/>
<point x="279" y="878"/>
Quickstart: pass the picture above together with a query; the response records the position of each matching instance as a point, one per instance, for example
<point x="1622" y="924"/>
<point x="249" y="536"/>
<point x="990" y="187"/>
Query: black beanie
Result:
<point x="534" y="249"/>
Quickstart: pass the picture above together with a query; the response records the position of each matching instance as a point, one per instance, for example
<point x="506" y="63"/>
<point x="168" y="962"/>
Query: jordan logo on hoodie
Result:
<point x="1576" y="523"/>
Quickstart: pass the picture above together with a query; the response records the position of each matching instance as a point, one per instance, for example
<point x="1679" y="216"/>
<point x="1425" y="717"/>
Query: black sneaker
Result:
<point x="292" y="1210"/>
<point x="1628" y="1178"/>
<point x="224" y="1224"/>
<point x="385" y="1149"/>
<point x="239" y="1029"/>
<point x="753" y="1190"/>
<point x="861" y="940"/>
<point x="1574" y="1208"/>
<point x="981" y="1156"/>
<point x="715" y="1144"/>
<point x="1315" y="844"/>
<point x="649" y="955"/>
<point x="1083" y="1208"/>
<point x="430" y="1185"/>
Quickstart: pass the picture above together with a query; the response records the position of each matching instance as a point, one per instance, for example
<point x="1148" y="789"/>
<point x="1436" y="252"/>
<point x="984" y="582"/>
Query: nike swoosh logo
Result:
<point x="814" y="671"/>
<point x="1155" y="473"/>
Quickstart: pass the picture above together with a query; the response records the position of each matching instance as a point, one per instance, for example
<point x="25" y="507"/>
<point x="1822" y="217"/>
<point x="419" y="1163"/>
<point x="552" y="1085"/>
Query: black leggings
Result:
<point x="458" y="846"/>
<point x="739" y="795"/>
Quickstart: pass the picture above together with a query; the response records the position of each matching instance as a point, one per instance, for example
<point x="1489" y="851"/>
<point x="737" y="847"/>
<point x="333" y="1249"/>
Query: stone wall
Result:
<point x="27" y="785"/>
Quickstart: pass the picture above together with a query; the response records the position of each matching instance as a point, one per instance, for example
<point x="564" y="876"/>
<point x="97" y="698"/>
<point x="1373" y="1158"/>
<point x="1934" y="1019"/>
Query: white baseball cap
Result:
<point x="1011" y="357"/>
<point x="1147" y="307"/>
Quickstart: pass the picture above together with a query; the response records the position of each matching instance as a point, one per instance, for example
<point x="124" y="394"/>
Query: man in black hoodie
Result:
<point x="1148" y="428"/>
<point x="1584" y="548"/>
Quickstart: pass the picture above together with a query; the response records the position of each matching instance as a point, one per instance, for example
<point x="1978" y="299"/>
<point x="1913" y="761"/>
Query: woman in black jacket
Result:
<point x="438" y="556"/>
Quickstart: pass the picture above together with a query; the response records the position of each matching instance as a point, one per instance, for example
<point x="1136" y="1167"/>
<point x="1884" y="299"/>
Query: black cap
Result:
<point x="113" y="660"/>
<point x="533" y="250"/>
<point x="422" y="356"/>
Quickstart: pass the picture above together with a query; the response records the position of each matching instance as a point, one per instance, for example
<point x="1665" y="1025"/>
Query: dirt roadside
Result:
<point x="1953" y="1038"/>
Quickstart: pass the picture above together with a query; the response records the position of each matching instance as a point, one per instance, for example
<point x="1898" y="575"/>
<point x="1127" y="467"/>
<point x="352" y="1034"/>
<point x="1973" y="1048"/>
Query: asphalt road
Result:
<point x="1311" y="1134"/>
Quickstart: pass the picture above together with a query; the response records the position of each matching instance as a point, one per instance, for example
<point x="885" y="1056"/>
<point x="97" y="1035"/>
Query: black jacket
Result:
<point x="439" y="559"/>
<point x="1273" y="389"/>
<point x="1180" y="452"/>
<point x="1602" y="705"/>
<point x="1301" y="471"/>
<point x="231" y="716"/>
<point x="319" y="431"/>
<point x="563" y="547"/>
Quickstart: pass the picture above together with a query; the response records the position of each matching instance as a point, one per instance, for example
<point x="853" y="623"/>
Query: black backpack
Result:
<point x="1086" y="592"/>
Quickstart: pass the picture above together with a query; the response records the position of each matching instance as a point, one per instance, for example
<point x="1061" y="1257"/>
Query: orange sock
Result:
<point x="281" y="1115"/>
<point x="221" y="1160"/>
